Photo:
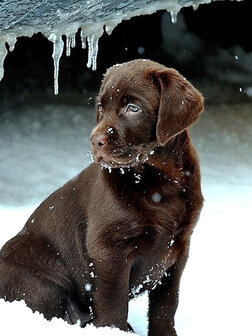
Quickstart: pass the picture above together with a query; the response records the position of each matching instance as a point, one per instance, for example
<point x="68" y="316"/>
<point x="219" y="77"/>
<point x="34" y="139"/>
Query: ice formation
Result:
<point x="57" y="18"/>
<point x="3" y="53"/>
<point x="174" y="16"/>
<point x="58" y="46"/>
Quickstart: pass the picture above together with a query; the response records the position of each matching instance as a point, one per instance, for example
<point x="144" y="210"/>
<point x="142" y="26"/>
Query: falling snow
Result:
<point x="156" y="197"/>
<point x="88" y="287"/>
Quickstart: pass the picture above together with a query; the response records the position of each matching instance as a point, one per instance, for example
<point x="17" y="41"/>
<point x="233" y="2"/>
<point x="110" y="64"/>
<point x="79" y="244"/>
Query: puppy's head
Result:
<point x="141" y="103"/>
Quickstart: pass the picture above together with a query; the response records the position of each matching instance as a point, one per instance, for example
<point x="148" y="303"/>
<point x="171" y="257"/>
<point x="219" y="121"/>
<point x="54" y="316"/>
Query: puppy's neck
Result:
<point x="169" y="158"/>
<point x="160" y="162"/>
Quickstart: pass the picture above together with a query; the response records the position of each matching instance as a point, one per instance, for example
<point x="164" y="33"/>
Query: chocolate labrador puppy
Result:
<point x="123" y="225"/>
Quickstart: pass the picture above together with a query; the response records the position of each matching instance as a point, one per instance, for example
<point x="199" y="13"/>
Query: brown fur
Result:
<point x="124" y="227"/>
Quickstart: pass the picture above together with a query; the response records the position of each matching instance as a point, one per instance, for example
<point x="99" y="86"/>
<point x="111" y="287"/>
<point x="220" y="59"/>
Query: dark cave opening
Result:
<point x="29" y="68"/>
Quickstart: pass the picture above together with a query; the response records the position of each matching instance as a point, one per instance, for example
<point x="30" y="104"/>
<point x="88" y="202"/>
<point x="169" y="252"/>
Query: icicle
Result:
<point x="110" y="25"/>
<point x="174" y="16"/>
<point x="92" y="51"/>
<point x="58" y="47"/>
<point x="73" y="42"/>
<point x="195" y="6"/>
<point x="70" y="43"/>
<point x="3" y="53"/>
<point x="11" y="40"/>
<point x="68" y="51"/>
<point x="93" y="33"/>
<point x="83" y="40"/>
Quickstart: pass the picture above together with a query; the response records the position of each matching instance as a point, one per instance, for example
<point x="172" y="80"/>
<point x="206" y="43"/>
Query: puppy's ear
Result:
<point x="180" y="104"/>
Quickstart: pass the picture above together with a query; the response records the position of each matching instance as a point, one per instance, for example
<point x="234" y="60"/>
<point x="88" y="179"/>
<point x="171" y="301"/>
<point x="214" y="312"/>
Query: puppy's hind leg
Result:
<point x="31" y="270"/>
<point x="40" y="295"/>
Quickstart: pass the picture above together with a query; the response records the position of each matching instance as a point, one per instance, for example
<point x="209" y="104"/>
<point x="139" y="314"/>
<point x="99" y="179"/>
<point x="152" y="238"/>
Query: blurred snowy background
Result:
<point x="44" y="141"/>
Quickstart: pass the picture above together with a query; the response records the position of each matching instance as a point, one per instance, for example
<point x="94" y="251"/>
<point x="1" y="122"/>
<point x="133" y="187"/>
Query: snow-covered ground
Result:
<point x="41" y="147"/>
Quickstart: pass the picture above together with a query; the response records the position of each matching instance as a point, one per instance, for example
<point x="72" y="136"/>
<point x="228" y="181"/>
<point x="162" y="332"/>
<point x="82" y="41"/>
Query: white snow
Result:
<point x="16" y="318"/>
<point x="156" y="197"/>
<point x="42" y="147"/>
<point x="88" y="287"/>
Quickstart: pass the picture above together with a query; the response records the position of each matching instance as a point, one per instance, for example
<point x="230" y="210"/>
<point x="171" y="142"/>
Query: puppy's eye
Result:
<point x="99" y="107"/>
<point x="133" y="108"/>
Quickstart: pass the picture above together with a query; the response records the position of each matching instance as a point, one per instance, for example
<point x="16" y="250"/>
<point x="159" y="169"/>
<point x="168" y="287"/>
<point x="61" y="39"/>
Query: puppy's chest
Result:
<point x="154" y="247"/>
<point x="151" y="219"/>
<point x="161" y="207"/>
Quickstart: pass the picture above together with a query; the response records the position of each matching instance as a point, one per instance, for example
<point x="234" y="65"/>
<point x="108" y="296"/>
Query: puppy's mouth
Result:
<point x="134" y="156"/>
<point x="107" y="162"/>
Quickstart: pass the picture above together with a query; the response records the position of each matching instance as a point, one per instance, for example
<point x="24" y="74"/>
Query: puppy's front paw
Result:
<point x="170" y="331"/>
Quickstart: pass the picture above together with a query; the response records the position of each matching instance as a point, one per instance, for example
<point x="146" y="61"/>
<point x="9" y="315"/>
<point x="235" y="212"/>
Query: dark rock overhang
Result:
<point x="56" y="18"/>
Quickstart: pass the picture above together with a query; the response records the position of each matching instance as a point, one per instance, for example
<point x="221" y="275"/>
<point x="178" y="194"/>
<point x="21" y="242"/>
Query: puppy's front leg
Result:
<point x="109" y="248"/>
<point x="163" y="300"/>
<point x="111" y="292"/>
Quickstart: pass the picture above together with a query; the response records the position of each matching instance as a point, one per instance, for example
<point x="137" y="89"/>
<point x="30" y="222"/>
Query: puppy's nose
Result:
<point x="99" y="140"/>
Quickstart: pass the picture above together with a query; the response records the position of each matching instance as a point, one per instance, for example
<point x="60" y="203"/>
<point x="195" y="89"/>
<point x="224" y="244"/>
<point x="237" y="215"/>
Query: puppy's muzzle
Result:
<point x="99" y="144"/>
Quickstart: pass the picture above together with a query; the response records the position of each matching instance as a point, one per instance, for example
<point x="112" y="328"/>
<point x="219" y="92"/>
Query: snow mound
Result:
<point x="34" y="323"/>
